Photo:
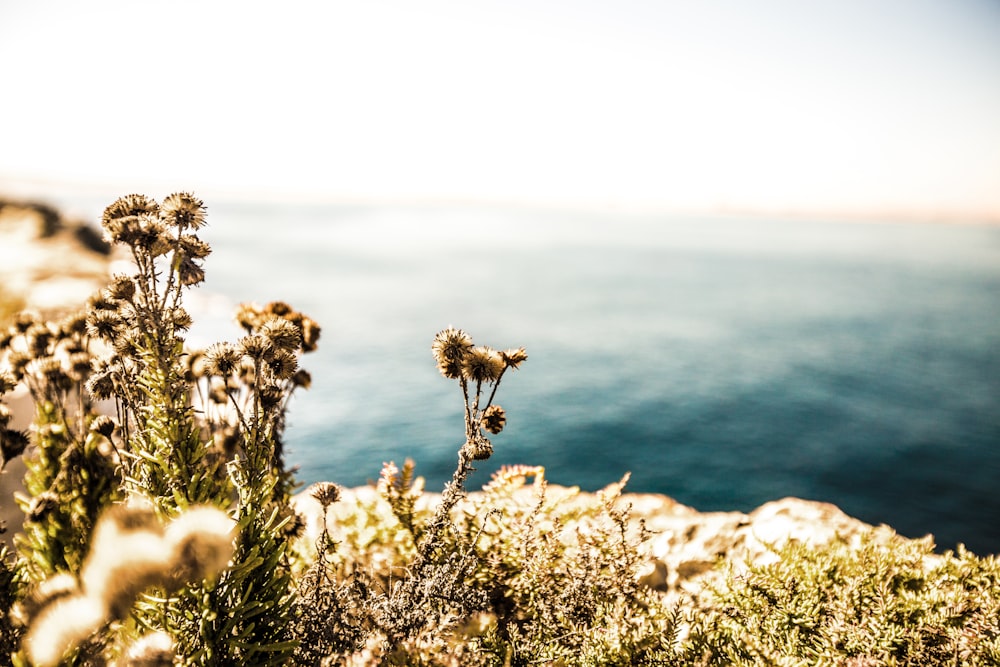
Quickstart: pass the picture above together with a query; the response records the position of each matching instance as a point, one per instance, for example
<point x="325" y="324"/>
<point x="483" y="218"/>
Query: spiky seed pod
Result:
<point x="122" y="288"/>
<point x="183" y="210"/>
<point x="181" y="319"/>
<point x="101" y="384"/>
<point x="74" y="325"/>
<point x="129" y="205"/>
<point x="450" y="348"/>
<point x="128" y="344"/>
<point x="7" y="382"/>
<point x="482" y="364"/>
<point x="270" y="396"/>
<point x="326" y="493"/>
<point x="494" y="419"/>
<point x="310" y="334"/>
<point x="279" y="308"/>
<point x="38" y="339"/>
<point x="514" y="357"/>
<point x="151" y="235"/>
<point x="103" y="425"/>
<point x="221" y="359"/>
<point x="283" y="334"/>
<point x="193" y="247"/>
<point x="50" y="371"/>
<point x="478" y="449"/>
<point x="78" y="365"/>
<point x="302" y="378"/>
<point x="104" y="324"/>
<point x="282" y="364"/>
<point x="256" y="347"/>
<point x="190" y="273"/>
<point x="18" y="362"/>
<point x="12" y="442"/>
<point x="249" y="316"/>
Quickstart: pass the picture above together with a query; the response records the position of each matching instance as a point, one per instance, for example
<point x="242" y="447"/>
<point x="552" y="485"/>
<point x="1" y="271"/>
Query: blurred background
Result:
<point x="752" y="249"/>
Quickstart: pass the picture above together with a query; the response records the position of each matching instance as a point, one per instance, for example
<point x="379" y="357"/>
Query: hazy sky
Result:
<point x="849" y="105"/>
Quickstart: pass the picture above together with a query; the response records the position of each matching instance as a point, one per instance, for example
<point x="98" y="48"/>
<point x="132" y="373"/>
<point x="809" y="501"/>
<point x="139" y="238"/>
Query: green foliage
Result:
<point x="875" y="603"/>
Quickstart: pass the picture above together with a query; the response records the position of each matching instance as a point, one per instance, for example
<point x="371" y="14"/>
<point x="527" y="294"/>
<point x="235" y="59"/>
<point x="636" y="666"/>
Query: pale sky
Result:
<point x="849" y="106"/>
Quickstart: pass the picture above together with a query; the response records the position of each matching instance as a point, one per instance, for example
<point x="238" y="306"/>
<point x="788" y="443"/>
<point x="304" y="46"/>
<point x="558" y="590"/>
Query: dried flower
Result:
<point x="104" y="425"/>
<point x="190" y="273"/>
<point x="221" y="359"/>
<point x="256" y="347"/>
<point x="478" y="448"/>
<point x="7" y="382"/>
<point x="183" y="210"/>
<point x="12" y="442"/>
<point x="494" y="419"/>
<point x="122" y="288"/>
<point x="514" y="357"/>
<point x="482" y="364"/>
<point x="121" y="564"/>
<point x="249" y="316"/>
<point x="302" y="378"/>
<point x="200" y="543"/>
<point x="61" y="626"/>
<point x="104" y="324"/>
<point x="326" y="493"/>
<point x="282" y="364"/>
<point x="156" y="649"/>
<point x="283" y="334"/>
<point x="193" y="247"/>
<point x="310" y="334"/>
<point x="101" y="384"/>
<point x="181" y="319"/>
<point x="450" y="348"/>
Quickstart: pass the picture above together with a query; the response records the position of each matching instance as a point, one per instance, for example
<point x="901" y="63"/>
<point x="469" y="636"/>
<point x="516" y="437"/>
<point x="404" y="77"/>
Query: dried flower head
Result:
<point x="45" y="593"/>
<point x="60" y="627"/>
<point x="104" y="324"/>
<point x="249" y="316"/>
<point x="101" y="384"/>
<point x="122" y="288"/>
<point x="7" y="382"/>
<point x="302" y="378"/>
<point x="256" y="347"/>
<point x="478" y="448"/>
<point x="283" y="334"/>
<point x="156" y="649"/>
<point x="200" y="543"/>
<point x="12" y="442"/>
<point x="183" y="210"/>
<point x="310" y="334"/>
<point x="221" y="359"/>
<point x="190" y="273"/>
<point x="104" y="425"/>
<point x="282" y="364"/>
<point x="326" y="493"/>
<point x="494" y="419"/>
<point x="450" y="348"/>
<point x="193" y="247"/>
<point x="514" y="357"/>
<point x="181" y="319"/>
<point x="482" y="364"/>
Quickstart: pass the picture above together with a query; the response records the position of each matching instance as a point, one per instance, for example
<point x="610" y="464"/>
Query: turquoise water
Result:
<point x="725" y="362"/>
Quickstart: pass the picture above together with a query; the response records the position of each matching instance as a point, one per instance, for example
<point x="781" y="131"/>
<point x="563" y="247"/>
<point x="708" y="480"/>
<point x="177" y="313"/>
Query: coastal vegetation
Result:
<point x="162" y="525"/>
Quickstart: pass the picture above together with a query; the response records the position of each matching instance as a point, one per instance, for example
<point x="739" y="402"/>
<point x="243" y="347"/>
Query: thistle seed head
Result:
<point x="221" y="359"/>
<point x="450" y="348"/>
<point x="183" y="210"/>
<point x="494" y="419"/>
<point x="284" y="335"/>
<point x="482" y="364"/>
<point x="326" y="493"/>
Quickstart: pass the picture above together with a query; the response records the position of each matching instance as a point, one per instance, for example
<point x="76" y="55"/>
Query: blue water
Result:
<point x="724" y="362"/>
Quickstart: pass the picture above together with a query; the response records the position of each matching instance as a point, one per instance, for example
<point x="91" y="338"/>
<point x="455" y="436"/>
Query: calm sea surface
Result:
<point x="724" y="362"/>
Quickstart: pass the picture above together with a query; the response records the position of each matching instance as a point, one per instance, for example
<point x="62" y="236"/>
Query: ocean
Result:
<point x="723" y="361"/>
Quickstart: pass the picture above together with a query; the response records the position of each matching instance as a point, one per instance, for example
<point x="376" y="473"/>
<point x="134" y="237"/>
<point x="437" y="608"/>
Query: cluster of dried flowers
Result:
<point x="131" y="552"/>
